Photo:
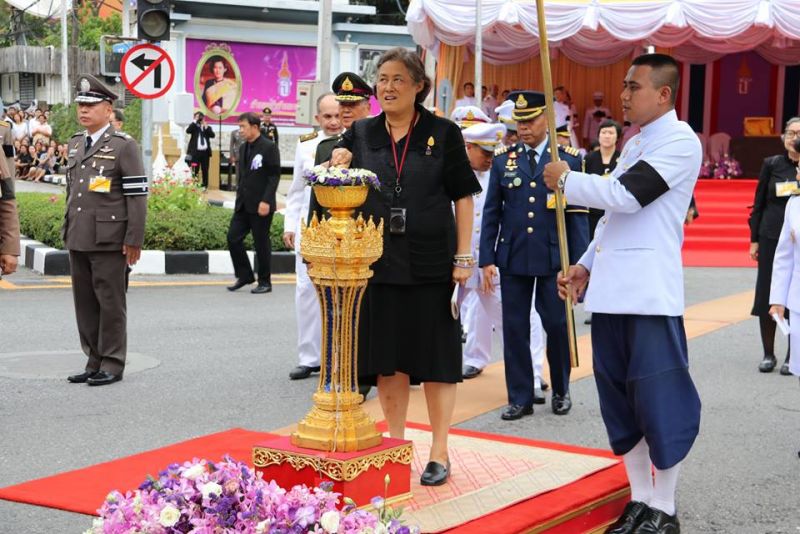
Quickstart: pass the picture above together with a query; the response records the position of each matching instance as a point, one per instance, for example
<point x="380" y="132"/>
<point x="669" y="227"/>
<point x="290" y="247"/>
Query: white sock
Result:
<point x="640" y="472"/>
<point x="666" y="483"/>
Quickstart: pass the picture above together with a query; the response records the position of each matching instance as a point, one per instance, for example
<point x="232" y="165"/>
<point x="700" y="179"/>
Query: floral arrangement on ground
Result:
<point x="724" y="169"/>
<point x="340" y="176"/>
<point x="202" y="497"/>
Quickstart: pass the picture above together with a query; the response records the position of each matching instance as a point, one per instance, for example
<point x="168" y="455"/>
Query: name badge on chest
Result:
<point x="551" y="201"/>
<point x="100" y="183"/>
<point x="785" y="189"/>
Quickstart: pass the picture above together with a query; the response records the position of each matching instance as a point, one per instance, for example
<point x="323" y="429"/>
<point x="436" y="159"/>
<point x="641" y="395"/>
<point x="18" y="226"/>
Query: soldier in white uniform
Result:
<point x="785" y="288"/>
<point x="482" y="312"/>
<point x="297" y="201"/>
<point x="504" y="116"/>
<point x="650" y="406"/>
<point x="591" y="128"/>
<point x="466" y="116"/>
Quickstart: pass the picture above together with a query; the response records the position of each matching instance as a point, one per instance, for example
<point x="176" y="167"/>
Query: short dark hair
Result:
<point x="468" y="83"/>
<point x="217" y="59"/>
<point x="415" y="67"/>
<point x="118" y="116"/>
<point x="608" y="123"/>
<point x="665" y="71"/>
<point x="267" y="110"/>
<point x="250" y="118"/>
<point x="558" y="88"/>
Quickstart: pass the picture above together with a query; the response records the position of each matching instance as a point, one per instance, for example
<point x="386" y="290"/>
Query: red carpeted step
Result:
<point x="720" y="237"/>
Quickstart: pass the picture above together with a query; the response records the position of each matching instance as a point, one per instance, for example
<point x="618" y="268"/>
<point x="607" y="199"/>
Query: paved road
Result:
<point x="209" y="360"/>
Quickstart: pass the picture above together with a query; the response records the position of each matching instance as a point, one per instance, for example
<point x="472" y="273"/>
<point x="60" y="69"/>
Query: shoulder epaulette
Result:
<point x="309" y="136"/>
<point x="78" y="134"/>
<point x="122" y="135"/>
<point x="5" y="123"/>
<point x="572" y="151"/>
<point x="500" y="150"/>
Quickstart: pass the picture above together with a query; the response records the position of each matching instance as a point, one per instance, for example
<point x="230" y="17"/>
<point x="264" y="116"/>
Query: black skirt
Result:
<point x="766" y="253"/>
<point x="409" y="329"/>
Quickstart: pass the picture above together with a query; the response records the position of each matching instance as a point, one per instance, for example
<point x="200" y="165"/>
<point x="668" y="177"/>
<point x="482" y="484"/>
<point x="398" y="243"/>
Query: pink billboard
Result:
<point x="231" y="78"/>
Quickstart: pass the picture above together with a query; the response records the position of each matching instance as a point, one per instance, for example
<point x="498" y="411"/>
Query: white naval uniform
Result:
<point x="483" y="312"/>
<point x="785" y="287"/>
<point x="635" y="256"/>
<point x="591" y="129"/>
<point x="309" y="325"/>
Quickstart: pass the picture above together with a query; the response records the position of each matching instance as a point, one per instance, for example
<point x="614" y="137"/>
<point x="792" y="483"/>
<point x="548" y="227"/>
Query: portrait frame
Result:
<point x="368" y="56"/>
<point x="201" y="75"/>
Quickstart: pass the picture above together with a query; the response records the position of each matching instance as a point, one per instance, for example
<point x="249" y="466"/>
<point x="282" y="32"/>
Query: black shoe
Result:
<point x="515" y="411"/>
<point x="658" y="522"/>
<point x="634" y="513"/>
<point x="435" y="474"/>
<point x="561" y="404"/>
<point x="538" y="396"/>
<point x="768" y="363"/>
<point x="81" y="378"/>
<point x="302" y="371"/>
<point x="261" y="288"/>
<point x="469" y="371"/>
<point x="463" y="335"/>
<point x="545" y="385"/>
<point x="103" y="378"/>
<point x="239" y="284"/>
<point x="785" y="367"/>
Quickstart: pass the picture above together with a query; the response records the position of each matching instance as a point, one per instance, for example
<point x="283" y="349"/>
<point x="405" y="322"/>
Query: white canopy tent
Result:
<point x="600" y="32"/>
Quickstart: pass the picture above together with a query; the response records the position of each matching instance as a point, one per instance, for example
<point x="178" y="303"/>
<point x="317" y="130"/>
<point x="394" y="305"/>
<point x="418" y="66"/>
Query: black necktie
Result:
<point x="532" y="159"/>
<point x="88" y="143"/>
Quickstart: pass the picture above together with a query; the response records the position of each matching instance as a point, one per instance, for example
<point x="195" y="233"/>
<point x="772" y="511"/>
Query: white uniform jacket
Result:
<point x="299" y="195"/>
<point x="635" y="257"/>
<point x="785" y="287"/>
<point x="474" y="281"/>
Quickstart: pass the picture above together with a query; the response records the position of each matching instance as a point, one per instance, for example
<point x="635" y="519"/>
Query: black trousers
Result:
<point x="201" y="159"/>
<point x="243" y="223"/>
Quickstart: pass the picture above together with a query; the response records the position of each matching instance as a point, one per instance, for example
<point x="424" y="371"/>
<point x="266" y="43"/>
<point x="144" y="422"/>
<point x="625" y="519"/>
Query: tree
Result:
<point x="40" y="31"/>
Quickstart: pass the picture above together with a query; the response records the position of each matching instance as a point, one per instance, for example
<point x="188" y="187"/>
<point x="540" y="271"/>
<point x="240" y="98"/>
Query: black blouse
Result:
<point x="435" y="174"/>
<point x="595" y="165"/>
<point x="766" y="219"/>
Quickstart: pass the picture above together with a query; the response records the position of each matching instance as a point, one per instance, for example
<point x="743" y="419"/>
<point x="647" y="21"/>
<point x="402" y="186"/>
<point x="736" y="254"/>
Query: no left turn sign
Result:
<point x="147" y="71"/>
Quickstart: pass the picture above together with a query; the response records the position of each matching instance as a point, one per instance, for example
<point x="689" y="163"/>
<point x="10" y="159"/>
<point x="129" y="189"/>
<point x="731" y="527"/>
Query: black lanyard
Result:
<point x="399" y="166"/>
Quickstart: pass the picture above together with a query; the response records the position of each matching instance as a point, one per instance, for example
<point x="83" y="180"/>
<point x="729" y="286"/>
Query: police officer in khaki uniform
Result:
<point x="103" y="230"/>
<point x="9" y="222"/>
<point x="7" y="166"/>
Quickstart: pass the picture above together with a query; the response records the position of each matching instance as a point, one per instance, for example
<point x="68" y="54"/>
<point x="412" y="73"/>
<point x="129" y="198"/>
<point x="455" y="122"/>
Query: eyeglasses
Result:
<point x="791" y="134"/>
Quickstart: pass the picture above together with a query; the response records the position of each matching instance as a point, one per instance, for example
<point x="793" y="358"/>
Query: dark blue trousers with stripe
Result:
<point x="641" y="367"/>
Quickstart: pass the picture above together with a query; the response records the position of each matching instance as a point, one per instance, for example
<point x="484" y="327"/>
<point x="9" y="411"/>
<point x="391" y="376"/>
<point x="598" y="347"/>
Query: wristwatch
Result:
<point x="562" y="180"/>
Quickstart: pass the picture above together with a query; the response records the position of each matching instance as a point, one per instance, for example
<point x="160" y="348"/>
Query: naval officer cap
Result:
<point x="90" y="90"/>
<point x="562" y="131"/>
<point x="350" y="87"/>
<point x="485" y="135"/>
<point x="504" y="114"/>
<point x="466" y="116"/>
<point x="527" y="105"/>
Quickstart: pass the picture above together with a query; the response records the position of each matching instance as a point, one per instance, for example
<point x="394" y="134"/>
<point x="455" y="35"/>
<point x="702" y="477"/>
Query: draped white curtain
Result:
<point x="596" y="33"/>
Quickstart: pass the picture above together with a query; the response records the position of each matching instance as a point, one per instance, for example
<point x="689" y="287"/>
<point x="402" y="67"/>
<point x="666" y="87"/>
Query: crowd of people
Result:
<point x="36" y="152"/>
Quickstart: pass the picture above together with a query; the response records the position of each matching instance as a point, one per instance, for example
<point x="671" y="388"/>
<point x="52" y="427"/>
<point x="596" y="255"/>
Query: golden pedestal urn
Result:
<point x="339" y="250"/>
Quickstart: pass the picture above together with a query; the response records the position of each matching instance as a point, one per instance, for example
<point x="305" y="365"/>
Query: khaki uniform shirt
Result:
<point x="106" y="194"/>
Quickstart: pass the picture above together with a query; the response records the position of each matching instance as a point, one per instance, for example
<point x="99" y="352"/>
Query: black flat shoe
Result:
<point x="538" y="396"/>
<point x="435" y="474"/>
<point x="634" y="513"/>
<point x="102" y="378"/>
<point x="239" y="284"/>
<point x="81" y="378"/>
<point x="785" y="367"/>
<point x="768" y="363"/>
<point x="302" y="371"/>
<point x="469" y="371"/>
<point x="561" y="404"/>
<point x="261" y="288"/>
<point x="515" y="411"/>
<point x="545" y="385"/>
<point x="658" y="522"/>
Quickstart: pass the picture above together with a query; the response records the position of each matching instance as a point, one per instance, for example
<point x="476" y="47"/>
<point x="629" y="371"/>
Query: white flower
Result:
<point x="137" y="504"/>
<point x="380" y="528"/>
<point x="330" y="521"/>
<point x="262" y="527"/>
<point x="194" y="472"/>
<point x="169" y="516"/>
<point x="211" y="488"/>
<point x="321" y="179"/>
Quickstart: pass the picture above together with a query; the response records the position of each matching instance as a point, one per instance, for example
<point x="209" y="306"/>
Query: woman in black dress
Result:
<point x="407" y="334"/>
<point x="603" y="161"/>
<point x="777" y="180"/>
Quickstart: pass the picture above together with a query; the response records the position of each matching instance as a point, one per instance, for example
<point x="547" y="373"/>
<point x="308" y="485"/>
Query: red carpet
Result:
<point x="84" y="490"/>
<point x="720" y="237"/>
<point x="578" y="507"/>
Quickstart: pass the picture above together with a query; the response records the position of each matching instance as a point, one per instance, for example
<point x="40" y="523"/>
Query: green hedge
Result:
<point x="202" y="228"/>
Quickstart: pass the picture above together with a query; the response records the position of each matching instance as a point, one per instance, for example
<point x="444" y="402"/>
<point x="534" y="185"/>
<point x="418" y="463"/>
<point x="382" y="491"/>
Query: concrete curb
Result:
<point x="50" y="261"/>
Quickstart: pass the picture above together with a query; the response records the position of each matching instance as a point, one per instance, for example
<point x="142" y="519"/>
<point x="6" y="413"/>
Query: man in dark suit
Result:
<point x="258" y="174"/>
<point x="518" y="237"/>
<point x="199" y="150"/>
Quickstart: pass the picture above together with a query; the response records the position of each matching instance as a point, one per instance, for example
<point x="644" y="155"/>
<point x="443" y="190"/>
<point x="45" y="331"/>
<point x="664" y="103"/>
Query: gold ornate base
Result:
<point x="342" y="428"/>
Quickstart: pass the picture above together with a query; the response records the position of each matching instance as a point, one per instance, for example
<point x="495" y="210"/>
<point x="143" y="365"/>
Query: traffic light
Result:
<point x="153" y="20"/>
